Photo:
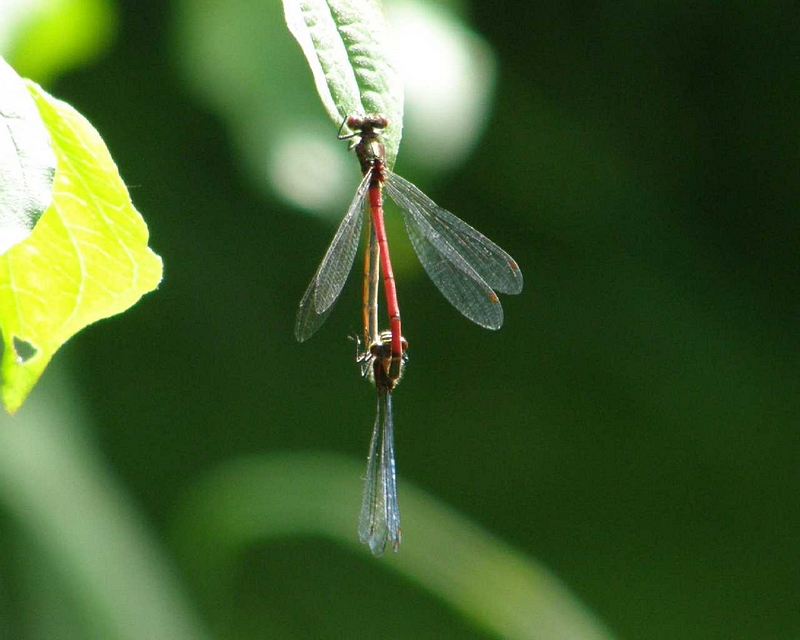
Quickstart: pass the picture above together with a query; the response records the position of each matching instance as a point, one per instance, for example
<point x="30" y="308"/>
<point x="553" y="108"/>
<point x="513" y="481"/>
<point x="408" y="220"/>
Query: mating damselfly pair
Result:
<point x="465" y="265"/>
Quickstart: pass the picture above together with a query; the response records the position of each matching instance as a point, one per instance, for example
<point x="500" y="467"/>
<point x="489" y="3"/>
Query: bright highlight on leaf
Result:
<point x="27" y="163"/>
<point x="86" y="259"/>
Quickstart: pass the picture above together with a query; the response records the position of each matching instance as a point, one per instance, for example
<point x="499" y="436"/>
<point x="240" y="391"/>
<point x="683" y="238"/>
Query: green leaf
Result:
<point x="86" y="259"/>
<point x="27" y="163"/>
<point x="54" y="36"/>
<point x="347" y="45"/>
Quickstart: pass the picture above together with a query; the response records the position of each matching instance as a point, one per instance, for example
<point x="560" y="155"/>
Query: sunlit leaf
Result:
<point x="347" y="45"/>
<point x="27" y="163"/>
<point x="54" y="36"/>
<point x="87" y="258"/>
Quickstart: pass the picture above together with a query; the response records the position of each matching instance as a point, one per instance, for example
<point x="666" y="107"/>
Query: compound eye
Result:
<point x="355" y="123"/>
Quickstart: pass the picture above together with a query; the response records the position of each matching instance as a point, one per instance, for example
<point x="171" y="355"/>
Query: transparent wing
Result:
<point x="372" y="520"/>
<point x="389" y="474"/>
<point x="498" y="269"/>
<point x="338" y="260"/>
<point x="379" y="521"/>
<point x="329" y="279"/>
<point x="463" y="263"/>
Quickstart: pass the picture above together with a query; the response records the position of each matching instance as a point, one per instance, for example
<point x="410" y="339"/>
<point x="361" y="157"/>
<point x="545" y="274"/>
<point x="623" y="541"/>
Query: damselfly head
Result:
<point x="367" y="126"/>
<point x="376" y="361"/>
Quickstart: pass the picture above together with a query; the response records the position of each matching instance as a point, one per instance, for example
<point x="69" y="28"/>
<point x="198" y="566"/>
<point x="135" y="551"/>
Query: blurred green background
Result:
<point x="633" y="426"/>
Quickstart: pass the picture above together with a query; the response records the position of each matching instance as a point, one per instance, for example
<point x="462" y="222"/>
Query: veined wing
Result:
<point x="463" y="263"/>
<point x="379" y="521"/>
<point x="372" y="525"/>
<point x="390" y="473"/>
<point x="329" y="279"/>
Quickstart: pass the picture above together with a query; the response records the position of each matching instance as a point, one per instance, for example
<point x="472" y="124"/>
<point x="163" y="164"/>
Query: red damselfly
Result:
<point x="464" y="264"/>
<point x="379" y="520"/>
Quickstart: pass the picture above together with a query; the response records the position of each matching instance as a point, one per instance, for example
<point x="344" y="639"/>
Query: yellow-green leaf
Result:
<point x="86" y="259"/>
